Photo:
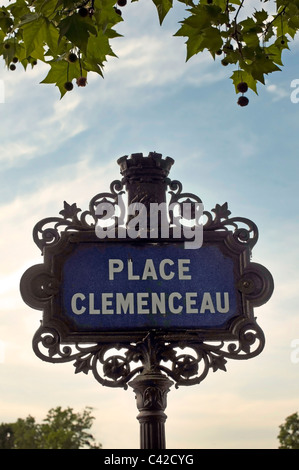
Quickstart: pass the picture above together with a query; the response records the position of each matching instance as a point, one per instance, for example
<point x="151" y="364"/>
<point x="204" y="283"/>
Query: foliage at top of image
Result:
<point x="73" y="37"/>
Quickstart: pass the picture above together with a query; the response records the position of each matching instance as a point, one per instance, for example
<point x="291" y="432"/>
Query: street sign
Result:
<point x="131" y="286"/>
<point x="92" y="288"/>
<point x="145" y="290"/>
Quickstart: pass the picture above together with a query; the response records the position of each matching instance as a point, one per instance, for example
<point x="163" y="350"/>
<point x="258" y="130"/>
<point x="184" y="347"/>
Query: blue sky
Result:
<point x="151" y="100"/>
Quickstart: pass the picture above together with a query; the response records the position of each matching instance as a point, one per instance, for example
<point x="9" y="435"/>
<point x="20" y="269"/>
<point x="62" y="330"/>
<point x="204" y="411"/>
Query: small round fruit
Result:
<point x="228" y="47"/>
<point x="242" y="87"/>
<point x="12" y="67"/>
<point x="121" y="3"/>
<point x="15" y="60"/>
<point x="34" y="62"/>
<point x="7" y="45"/>
<point x="68" y="86"/>
<point x="83" y="12"/>
<point x="117" y="10"/>
<point x="224" y="62"/>
<point x="81" y="81"/>
<point x="243" y="101"/>
<point x="72" y="57"/>
<point x="219" y="52"/>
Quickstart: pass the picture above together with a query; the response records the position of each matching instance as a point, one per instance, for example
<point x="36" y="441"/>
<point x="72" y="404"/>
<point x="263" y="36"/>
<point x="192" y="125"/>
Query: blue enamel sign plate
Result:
<point x="126" y="286"/>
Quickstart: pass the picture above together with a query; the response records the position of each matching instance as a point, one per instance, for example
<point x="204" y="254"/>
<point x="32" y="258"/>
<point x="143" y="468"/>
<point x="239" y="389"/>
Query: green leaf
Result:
<point x="5" y="20"/>
<point x="97" y="50"/>
<point x="51" y="37"/>
<point x="27" y="18"/>
<point x="61" y="72"/>
<point x="200" y="30"/>
<point x="105" y="15"/>
<point x="34" y="35"/>
<point x="243" y="76"/>
<point x="163" y="7"/>
<point x="77" y="29"/>
<point x="212" y="39"/>
<point x="260" y="16"/>
<point x="194" y="46"/>
<point x="264" y="64"/>
<point x="48" y="7"/>
<point x="199" y="20"/>
<point x="19" y="9"/>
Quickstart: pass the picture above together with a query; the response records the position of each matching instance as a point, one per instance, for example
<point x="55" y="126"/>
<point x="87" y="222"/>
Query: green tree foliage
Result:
<point x="61" y="429"/>
<point x="73" y="37"/>
<point x="6" y="436"/>
<point x="289" y="433"/>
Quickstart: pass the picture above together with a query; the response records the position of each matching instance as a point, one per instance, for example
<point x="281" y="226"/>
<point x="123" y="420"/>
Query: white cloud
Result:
<point x="14" y="153"/>
<point x="37" y="130"/>
<point x="160" y="61"/>
<point x="277" y="92"/>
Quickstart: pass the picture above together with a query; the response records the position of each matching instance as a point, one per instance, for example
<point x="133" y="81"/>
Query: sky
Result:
<point x="56" y="150"/>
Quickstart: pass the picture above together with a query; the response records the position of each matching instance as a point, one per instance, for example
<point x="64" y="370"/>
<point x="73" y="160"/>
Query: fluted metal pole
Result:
<point x="151" y="390"/>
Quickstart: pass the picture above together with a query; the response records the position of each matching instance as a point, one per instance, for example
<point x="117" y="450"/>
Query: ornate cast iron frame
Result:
<point x="154" y="349"/>
<point x="155" y="356"/>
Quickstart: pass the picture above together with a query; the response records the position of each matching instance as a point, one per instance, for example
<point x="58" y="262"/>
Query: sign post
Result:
<point x="140" y="276"/>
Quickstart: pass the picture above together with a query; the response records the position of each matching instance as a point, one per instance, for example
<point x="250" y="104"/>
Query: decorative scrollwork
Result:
<point x="182" y="200"/>
<point x="185" y="356"/>
<point x="247" y="234"/>
<point x="48" y="231"/>
<point x="152" y="355"/>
